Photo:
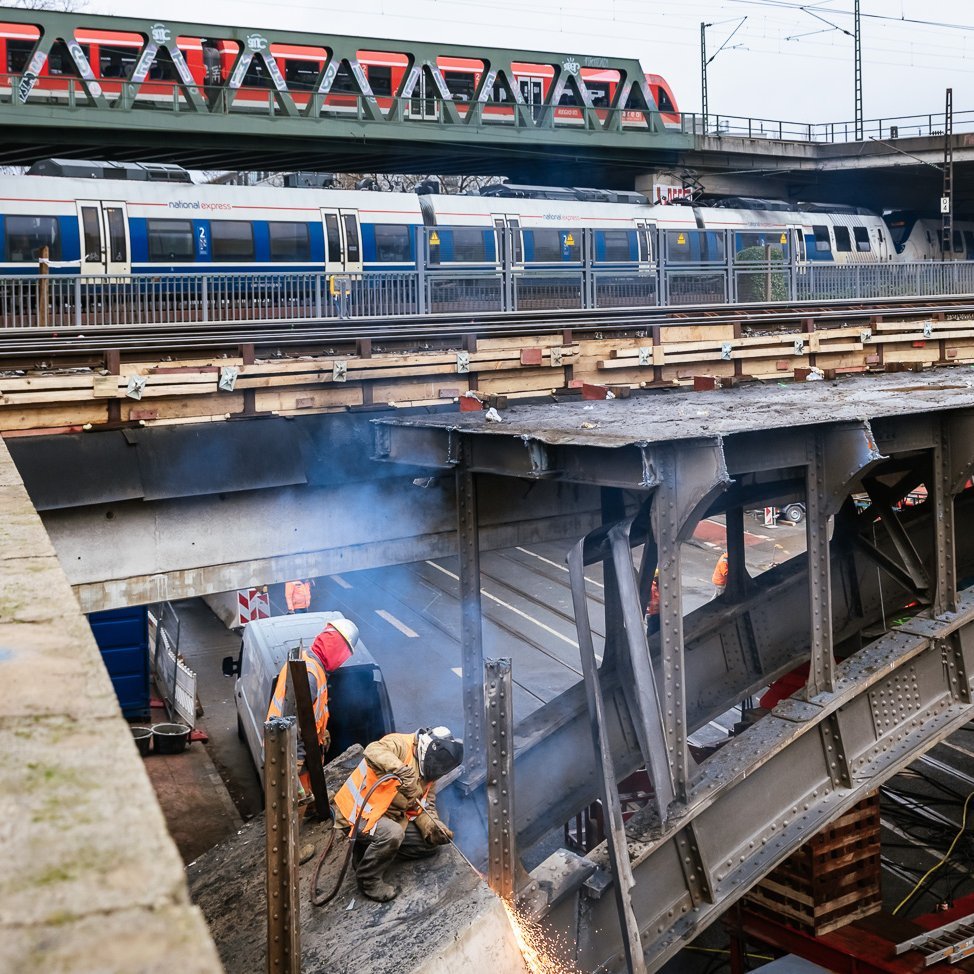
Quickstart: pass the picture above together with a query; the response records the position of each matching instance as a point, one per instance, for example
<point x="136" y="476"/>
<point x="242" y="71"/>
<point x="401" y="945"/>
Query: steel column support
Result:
<point x="945" y="595"/>
<point x="821" y="674"/>
<point x="471" y="621"/>
<point x="736" y="564"/>
<point x="502" y="857"/>
<point x="281" y="810"/>
<point x="615" y="830"/>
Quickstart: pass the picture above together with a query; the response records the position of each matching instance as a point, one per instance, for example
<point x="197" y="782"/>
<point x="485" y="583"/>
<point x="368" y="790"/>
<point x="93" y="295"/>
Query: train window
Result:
<point x="461" y="85"/>
<point x="547" y="245"/>
<point x="91" y="231"/>
<point x="843" y="242"/>
<point x="353" y="251"/>
<point x="292" y="241"/>
<point x="60" y="62"/>
<point x="678" y="244"/>
<point x="617" y="244"/>
<point x="862" y="239"/>
<point x="231" y="240"/>
<point x="117" y="245"/>
<point x="257" y="75"/>
<point x="26" y="235"/>
<point x="568" y="98"/>
<point x="380" y="80"/>
<point x="599" y="91"/>
<point x="116" y="62"/>
<point x="663" y="101"/>
<point x="18" y="54"/>
<point x="958" y="242"/>
<point x="468" y="244"/>
<point x="969" y="240"/>
<point x="333" y="238"/>
<point x="301" y="75"/>
<point x="170" y="239"/>
<point x="822" y="243"/>
<point x="391" y="243"/>
<point x="344" y="82"/>
<point x="162" y="68"/>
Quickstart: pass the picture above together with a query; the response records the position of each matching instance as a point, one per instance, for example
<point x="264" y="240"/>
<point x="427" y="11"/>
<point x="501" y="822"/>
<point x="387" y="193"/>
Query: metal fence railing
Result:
<point x="89" y="302"/>
<point x="174" y="679"/>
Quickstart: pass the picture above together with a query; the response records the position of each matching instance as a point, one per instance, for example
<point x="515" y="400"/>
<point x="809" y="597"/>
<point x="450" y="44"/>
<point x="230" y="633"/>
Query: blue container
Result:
<point x="122" y="637"/>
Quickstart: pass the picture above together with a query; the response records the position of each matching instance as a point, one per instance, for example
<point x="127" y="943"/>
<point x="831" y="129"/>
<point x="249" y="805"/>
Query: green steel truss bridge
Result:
<point x="74" y="84"/>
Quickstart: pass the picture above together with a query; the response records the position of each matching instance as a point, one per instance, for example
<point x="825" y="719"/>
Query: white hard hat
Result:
<point x="349" y="631"/>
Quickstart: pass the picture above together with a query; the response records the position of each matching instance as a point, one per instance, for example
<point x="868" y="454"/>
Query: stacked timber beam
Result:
<point x="132" y="388"/>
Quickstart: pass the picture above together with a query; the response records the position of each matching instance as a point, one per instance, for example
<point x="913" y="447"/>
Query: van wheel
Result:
<point x="240" y="729"/>
<point x="793" y="513"/>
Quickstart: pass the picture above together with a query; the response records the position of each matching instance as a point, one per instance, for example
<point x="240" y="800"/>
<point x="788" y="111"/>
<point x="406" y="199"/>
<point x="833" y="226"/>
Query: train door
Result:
<point x="343" y="242"/>
<point x="423" y="103"/>
<point x="507" y="245"/>
<point x="644" y="237"/>
<point x="532" y="91"/>
<point x="104" y="229"/>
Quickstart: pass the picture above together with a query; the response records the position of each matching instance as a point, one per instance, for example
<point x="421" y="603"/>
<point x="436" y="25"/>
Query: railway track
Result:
<point x="279" y="334"/>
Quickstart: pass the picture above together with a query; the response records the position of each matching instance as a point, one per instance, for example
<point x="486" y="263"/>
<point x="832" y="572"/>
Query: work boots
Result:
<point x="378" y="890"/>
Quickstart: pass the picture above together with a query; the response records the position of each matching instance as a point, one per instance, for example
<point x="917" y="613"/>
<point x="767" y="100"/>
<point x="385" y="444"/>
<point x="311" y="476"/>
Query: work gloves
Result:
<point x="433" y="831"/>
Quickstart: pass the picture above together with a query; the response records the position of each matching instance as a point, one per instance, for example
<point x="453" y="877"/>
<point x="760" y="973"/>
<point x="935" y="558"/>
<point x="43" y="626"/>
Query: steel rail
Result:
<point x="283" y="332"/>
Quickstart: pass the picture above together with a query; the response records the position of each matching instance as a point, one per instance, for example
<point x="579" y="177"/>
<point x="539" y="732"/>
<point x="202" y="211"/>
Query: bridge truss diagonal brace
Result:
<point x="837" y="457"/>
<point x="692" y="475"/>
<point x="760" y="796"/>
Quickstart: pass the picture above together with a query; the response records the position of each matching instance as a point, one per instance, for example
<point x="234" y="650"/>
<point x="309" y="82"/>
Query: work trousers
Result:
<point x="388" y="841"/>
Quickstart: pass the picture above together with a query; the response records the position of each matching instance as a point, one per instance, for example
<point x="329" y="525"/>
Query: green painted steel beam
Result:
<point x="293" y="123"/>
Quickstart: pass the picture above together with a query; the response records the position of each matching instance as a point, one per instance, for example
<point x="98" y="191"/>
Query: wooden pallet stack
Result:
<point x="833" y="879"/>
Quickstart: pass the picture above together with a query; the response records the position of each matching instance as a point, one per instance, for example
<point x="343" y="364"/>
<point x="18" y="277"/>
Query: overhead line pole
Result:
<point x="703" y="74"/>
<point x="858" y="97"/>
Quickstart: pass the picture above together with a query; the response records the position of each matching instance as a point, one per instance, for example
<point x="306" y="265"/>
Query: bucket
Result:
<point x="143" y="738"/>
<point x="169" y="738"/>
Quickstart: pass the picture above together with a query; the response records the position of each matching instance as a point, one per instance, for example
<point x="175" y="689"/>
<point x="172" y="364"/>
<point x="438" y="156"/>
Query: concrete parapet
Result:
<point x="89" y="878"/>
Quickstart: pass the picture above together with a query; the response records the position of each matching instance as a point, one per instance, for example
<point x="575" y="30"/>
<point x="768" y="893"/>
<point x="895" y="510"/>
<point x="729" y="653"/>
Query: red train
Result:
<point x="113" y="55"/>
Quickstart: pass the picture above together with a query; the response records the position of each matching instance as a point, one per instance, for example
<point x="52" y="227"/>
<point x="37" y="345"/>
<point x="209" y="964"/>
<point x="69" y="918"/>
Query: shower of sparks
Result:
<point x="539" y="950"/>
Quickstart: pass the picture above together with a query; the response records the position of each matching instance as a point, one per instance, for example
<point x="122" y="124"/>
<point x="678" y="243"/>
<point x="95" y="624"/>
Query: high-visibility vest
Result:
<point x="351" y="796"/>
<point x="297" y="595"/>
<point x="720" y="572"/>
<point x="319" y="701"/>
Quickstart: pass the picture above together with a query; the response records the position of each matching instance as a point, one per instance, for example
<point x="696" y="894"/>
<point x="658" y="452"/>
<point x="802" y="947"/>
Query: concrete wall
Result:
<point x="89" y="878"/>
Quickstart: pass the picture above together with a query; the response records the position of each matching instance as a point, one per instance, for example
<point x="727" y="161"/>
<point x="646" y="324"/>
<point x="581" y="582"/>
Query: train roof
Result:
<point x="155" y="172"/>
<point x="576" y="194"/>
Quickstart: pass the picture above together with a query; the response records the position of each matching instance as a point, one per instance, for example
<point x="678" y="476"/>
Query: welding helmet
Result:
<point x="349" y="631"/>
<point x="438" y="752"/>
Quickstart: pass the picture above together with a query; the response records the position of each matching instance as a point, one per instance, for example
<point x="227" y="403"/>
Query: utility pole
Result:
<point x="858" y="99"/>
<point x="703" y="74"/>
<point x="947" y="197"/>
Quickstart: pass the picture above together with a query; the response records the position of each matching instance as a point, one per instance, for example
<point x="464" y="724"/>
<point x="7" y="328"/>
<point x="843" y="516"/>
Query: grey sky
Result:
<point x="782" y="62"/>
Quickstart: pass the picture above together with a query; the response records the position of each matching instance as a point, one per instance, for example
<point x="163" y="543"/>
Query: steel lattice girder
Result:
<point x="861" y="721"/>
<point x="200" y="113"/>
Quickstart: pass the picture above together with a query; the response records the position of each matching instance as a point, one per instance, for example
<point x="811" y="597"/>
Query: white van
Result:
<point x="358" y="701"/>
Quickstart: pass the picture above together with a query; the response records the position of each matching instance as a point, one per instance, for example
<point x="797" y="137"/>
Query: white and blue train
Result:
<point x="120" y="219"/>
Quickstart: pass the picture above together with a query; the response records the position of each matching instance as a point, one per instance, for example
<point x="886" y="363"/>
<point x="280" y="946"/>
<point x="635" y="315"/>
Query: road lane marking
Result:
<point x="393" y="621"/>
<point x="507" y="605"/>
<point x="554" y="564"/>
<point x="341" y="581"/>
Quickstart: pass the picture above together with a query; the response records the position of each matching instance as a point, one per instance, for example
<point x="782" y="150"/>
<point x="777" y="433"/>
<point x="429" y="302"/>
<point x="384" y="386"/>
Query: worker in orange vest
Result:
<point x="652" y="610"/>
<point x="720" y="576"/>
<point x="398" y="818"/>
<point x="332" y="646"/>
<point x="297" y="594"/>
